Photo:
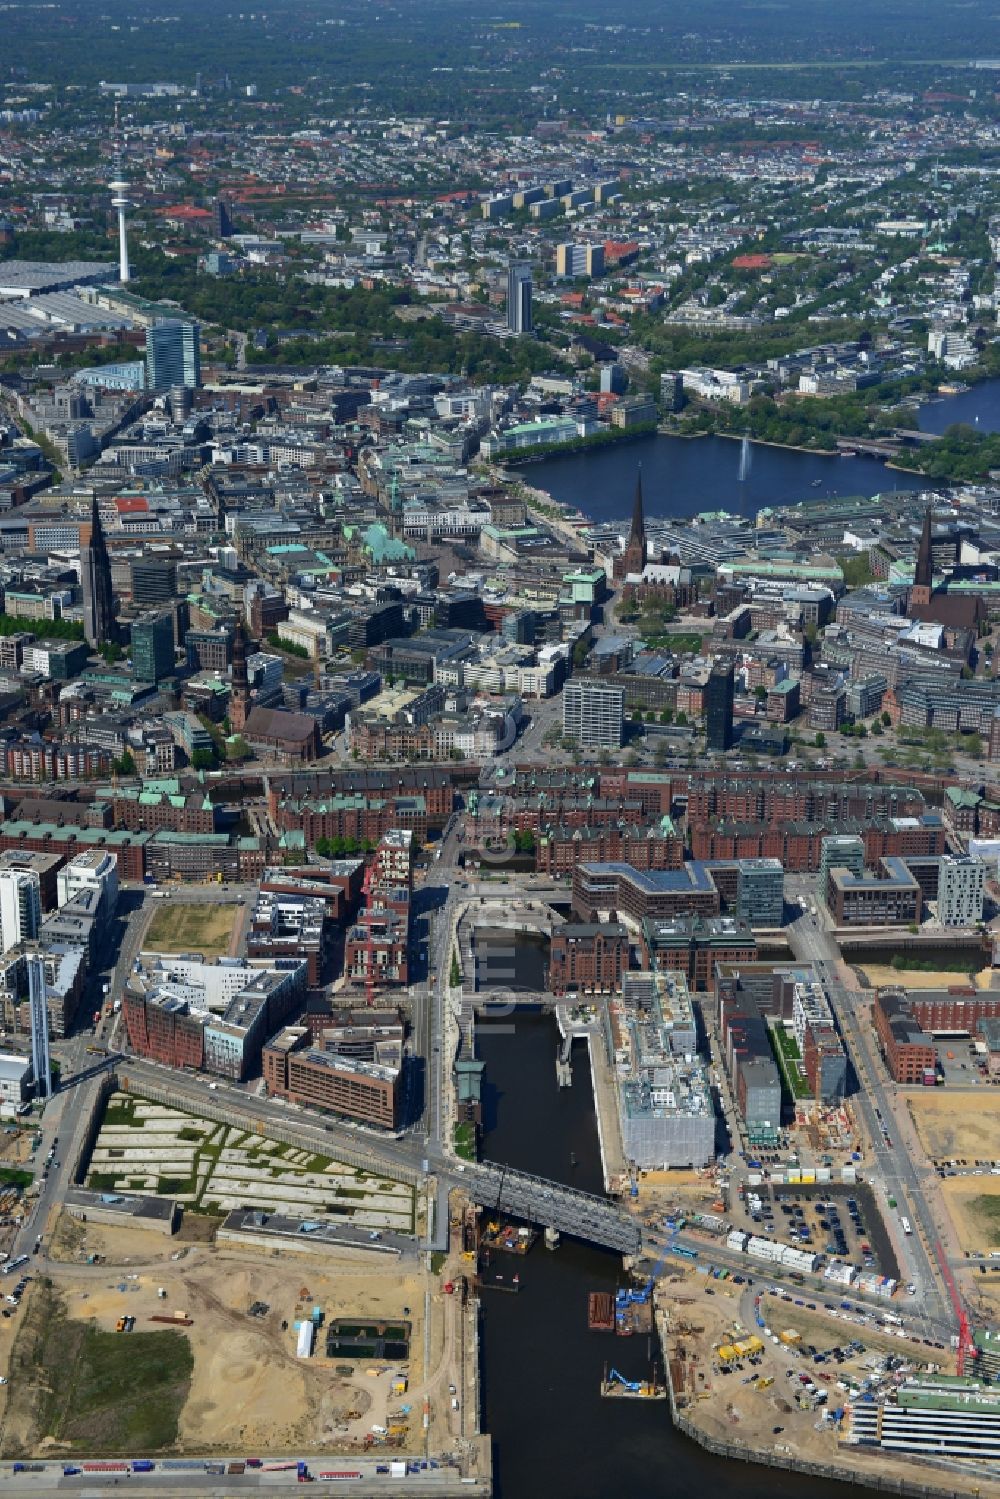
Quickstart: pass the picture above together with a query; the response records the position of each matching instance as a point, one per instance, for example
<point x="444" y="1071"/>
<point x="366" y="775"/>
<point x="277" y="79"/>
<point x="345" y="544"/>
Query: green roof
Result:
<point x="547" y="424"/>
<point x="811" y="570"/>
<point x="979" y="1398"/>
<point x="386" y="548"/>
<point x="167" y="835"/>
<point x="99" y="837"/>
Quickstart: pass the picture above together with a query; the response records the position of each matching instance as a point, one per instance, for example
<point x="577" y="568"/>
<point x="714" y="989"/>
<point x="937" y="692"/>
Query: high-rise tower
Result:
<point x="519" y="296"/>
<point x="719" y="707"/>
<point x="38" y="1001"/>
<point x="120" y="201"/>
<point x="173" y="355"/>
<point x="95" y="579"/>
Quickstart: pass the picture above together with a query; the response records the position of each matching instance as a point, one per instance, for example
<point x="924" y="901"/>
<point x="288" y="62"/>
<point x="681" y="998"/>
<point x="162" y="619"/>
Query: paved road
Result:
<point x="440" y="1480"/>
<point x="894" y="1169"/>
<point x="813" y="1287"/>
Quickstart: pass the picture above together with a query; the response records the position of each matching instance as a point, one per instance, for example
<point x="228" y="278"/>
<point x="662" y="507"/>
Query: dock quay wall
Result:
<point x="768" y="1457"/>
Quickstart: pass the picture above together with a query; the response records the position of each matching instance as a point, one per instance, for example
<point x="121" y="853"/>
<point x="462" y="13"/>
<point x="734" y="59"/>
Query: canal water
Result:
<point x="542" y="1367"/>
<point x="684" y="476"/>
<point x="512" y="960"/>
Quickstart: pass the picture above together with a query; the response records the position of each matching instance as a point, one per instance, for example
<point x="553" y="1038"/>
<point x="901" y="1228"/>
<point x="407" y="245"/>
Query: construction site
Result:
<point x="758" y="1376"/>
<point x="373" y="1353"/>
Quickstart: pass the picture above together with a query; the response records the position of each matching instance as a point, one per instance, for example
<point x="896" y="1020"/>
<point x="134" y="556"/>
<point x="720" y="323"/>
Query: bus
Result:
<point x="905" y="1225"/>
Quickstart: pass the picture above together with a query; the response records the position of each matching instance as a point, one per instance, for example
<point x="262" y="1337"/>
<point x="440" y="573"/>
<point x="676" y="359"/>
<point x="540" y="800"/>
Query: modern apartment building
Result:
<point x="961" y="888"/>
<point x="593" y="714"/>
<point x="153" y="647"/>
<point x="331" y="1075"/>
<point x="91" y="869"/>
<point x="20" y="907"/>
<point x="891" y="897"/>
<point x="579" y="260"/>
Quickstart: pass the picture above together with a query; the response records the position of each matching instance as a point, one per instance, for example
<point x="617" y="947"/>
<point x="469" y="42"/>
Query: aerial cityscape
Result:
<point x="500" y="749"/>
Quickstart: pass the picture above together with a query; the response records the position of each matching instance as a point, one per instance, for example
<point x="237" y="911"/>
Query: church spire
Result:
<point x="239" y="697"/>
<point x="922" y="574"/>
<point x="99" y="625"/>
<point x="637" y="535"/>
<point x="634" y="558"/>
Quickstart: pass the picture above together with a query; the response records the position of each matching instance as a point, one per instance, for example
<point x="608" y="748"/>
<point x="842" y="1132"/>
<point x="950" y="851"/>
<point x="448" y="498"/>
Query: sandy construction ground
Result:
<point x="249" y="1391"/>
<point x="702" y="1315"/>
<point x="977" y="1231"/>
<point x="881" y="976"/>
<point x="982" y="1294"/>
<point x="959" y="1126"/>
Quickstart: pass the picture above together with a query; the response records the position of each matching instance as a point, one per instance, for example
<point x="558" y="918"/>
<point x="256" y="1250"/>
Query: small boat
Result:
<point x="816" y="483"/>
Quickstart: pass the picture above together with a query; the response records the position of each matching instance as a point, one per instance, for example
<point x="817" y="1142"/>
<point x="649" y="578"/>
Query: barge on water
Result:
<point x="601" y="1312"/>
<point x="615" y="1386"/>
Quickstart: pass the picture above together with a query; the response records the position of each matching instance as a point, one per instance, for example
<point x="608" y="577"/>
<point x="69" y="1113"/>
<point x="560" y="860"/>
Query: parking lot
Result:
<point x="833" y="1220"/>
<point x="960" y="1064"/>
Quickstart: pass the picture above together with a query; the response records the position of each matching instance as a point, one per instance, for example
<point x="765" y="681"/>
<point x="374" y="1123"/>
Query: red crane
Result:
<point x="965" y="1343"/>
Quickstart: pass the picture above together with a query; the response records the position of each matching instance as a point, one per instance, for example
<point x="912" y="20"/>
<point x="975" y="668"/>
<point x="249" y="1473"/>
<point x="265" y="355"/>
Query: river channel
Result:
<point x="552" y="1432"/>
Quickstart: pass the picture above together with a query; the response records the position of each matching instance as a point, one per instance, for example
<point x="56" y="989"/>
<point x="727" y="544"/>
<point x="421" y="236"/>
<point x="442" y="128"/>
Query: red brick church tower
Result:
<point x="239" y="698"/>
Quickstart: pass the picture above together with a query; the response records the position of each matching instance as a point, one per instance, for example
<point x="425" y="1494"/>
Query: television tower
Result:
<point x="120" y="200"/>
